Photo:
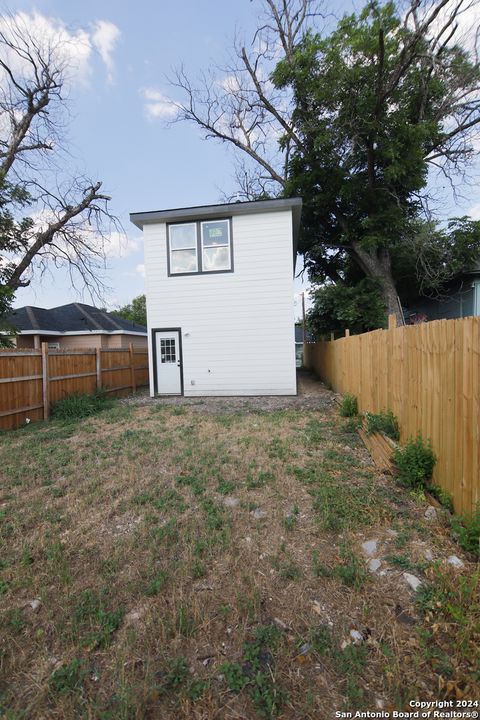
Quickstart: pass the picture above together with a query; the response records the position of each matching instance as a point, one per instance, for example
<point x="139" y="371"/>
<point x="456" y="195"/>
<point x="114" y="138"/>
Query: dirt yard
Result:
<point x="223" y="558"/>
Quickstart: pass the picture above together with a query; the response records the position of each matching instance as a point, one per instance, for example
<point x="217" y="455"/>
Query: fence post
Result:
<point x="347" y="333"/>
<point x="98" y="367"/>
<point x="45" y="383"/>
<point x="132" y="368"/>
<point x="392" y="321"/>
<point x="332" y="337"/>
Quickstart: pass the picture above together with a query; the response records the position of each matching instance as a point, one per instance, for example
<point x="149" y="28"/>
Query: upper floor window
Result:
<point x="201" y="247"/>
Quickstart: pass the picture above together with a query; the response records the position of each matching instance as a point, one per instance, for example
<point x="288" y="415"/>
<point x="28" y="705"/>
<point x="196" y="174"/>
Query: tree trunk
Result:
<point x="377" y="264"/>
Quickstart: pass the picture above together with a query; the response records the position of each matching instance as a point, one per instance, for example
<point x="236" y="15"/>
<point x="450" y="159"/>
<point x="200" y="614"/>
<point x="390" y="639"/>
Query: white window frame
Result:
<point x="174" y="250"/>
<point x="199" y="248"/>
<point x="228" y="244"/>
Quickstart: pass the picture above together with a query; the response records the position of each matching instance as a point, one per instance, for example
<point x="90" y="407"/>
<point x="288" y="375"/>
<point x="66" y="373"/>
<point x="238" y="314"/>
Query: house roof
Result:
<point x="204" y="212"/>
<point x="72" y="318"/>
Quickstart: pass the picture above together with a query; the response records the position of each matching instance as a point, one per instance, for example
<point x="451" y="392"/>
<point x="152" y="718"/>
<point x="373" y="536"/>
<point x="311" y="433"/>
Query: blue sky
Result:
<point x="114" y="135"/>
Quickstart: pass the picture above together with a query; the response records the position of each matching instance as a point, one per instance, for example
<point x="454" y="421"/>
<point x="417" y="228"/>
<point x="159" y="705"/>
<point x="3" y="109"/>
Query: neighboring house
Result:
<point x="460" y="299"/>
<point x="299" y="340"/>
<point x="219" y="282"/>
<point x="74" y="326"/>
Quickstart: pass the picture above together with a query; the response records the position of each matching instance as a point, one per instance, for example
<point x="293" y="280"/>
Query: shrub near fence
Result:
<point x="428" y="375"/>
<point x="31" y="380"/>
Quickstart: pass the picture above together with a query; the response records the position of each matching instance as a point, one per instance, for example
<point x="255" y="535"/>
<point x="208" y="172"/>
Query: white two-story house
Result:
<point x="219" y="287"/>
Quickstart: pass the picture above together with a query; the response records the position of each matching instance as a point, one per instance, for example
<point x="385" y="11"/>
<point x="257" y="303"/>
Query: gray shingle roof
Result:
<point x="74" y="317"/>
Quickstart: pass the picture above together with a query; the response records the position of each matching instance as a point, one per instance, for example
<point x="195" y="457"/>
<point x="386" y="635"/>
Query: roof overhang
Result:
<point x="206" y="212"/>
<point x="59" y="333"/>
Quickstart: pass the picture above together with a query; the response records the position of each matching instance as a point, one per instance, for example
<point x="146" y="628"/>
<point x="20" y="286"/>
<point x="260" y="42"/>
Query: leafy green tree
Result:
<point x="136" y="311"/>
<point x="363" y="114"/>
<point x="424" y="264"/>
<point x="375" y="102"/>
<point x="337" y="307"/>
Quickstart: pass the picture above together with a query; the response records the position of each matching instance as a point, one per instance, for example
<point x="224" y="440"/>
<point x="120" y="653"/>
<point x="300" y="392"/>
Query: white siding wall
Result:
<point x="237" y="328"/>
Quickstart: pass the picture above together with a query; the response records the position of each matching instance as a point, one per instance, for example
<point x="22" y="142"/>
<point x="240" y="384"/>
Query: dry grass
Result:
<point x="158" y="599"/>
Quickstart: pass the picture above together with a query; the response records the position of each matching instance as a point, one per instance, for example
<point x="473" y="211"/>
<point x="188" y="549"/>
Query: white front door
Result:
<point x="168" y="362"/>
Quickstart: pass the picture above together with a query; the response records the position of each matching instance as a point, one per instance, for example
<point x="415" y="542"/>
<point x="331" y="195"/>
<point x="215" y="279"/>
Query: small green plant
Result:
<point x="351" y="425"/>
<point x="466" y="529"/>
<point x="68" y="678"/>
<point x="184" y="623"/>
<point x="384" y="422"/>
<point x="319" y="568"/>
<point x="349" y="406"/>
<point x="75" y="407"/>
<point x="291" y="520"/>
<point x="443" y="497"/>
<point x="158" y="583"/>
<point x="93" y="622"/>
<point x="415" y="462"/>
<point x="198" y="569"/>
<point x="255" y="672"/>
<point x="176" y="674"/>
<point x="259" y="480"/>
<point x="352" y="570"/>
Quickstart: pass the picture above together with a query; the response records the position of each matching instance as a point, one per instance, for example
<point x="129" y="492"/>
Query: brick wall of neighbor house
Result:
<point x="78" y="342"/>
<point x="238" y="327"/>
<point x="23" y="341"/>
<point x="116" y="341"/>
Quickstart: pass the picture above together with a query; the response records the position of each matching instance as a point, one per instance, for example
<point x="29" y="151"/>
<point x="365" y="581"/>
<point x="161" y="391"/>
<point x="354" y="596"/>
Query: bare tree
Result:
<point x="239" y="104"/>
<point x="68" y="217"/>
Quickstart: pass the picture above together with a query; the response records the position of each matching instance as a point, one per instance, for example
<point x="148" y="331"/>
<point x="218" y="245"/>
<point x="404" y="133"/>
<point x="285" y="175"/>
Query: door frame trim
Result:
<point x="154" y="354"/>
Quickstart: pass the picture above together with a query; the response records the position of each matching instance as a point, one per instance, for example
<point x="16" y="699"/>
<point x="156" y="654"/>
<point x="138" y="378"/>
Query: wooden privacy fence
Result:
<point x="428" y="375"/>
<point x="31" y="380"/>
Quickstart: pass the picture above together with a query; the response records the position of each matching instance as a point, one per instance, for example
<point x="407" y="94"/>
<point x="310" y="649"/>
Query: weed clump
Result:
<point x="255" y="672"/>
<point x="349" y="406"/>
<point x="466" y="529"/>
<point x="75" y="407"/>
<point x="385" y="422"/>
<point x="415" y="463"/>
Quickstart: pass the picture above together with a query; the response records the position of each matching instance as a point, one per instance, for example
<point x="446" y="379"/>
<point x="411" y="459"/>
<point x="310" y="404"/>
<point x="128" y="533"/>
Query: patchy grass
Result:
<point x="136" y="582"/>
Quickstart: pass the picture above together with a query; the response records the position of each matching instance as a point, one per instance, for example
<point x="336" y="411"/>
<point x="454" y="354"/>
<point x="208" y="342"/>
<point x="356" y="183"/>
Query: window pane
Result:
<point x="182" y="236"/>
<point x="183" y="261"/>
<point x="215" y="233"/>
<point x="216" y="258"/>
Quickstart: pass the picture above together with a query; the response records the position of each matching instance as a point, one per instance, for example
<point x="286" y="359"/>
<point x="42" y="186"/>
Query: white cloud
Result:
<point x="230" y="83"/>
<point x="141" y="269"/>
<point x="119" y="245"/>
<point x="104" y="38"/>
<point x="70" y="48"/>
<point x="158" y="105"/>
<point x="474" y="212"/>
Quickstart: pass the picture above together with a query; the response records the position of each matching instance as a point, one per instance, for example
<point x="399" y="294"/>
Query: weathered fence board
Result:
<point x="30" y="381"/>
<point x="429" y="376"/>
